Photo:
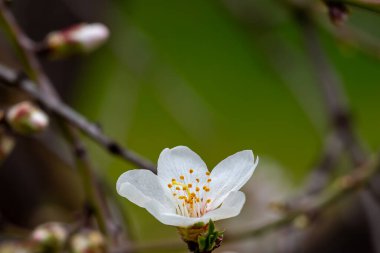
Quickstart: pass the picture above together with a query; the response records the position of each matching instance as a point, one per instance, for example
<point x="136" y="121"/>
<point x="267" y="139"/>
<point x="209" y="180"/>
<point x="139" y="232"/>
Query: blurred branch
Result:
<point x="94" y="205"/>
<point x="342" y="187"/>
<point x="373" y="7"/>
<point x="320" y="174"/>
<point x="13" y="79"/>
<point x="342" y="136"/>
<point x="331" y="87"/>
<point x="354" y="38"/>
<point x="25" y="47"/>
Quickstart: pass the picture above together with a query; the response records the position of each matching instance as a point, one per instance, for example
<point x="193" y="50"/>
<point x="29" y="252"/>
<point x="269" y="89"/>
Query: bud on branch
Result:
<point x="25" y="118"/>
<point x="82" y="38"/>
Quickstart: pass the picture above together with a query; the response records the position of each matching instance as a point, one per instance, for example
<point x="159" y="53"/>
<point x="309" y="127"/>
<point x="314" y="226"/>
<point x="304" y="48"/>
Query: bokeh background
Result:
<point x="217" y="76"/>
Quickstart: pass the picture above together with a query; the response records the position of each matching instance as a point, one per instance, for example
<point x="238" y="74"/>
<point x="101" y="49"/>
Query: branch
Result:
<point x="12" y="79"/>
<point x="331" y="87"/>
<point x="374" y="7"/>
<point x="26" y="49"/>
<point x="355" y="38"/>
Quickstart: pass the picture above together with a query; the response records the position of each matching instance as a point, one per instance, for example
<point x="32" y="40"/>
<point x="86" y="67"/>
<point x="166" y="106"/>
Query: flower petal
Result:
<point x="231" y="207"/>
<point x="178" y="161"/>
<point x="172" y="219"/>
<point x="141" y="186"/>
<point x="230" y="175"/>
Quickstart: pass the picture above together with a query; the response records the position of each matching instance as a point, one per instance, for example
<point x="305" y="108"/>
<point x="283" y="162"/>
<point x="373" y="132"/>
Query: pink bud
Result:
<point x="25" y="118"/>
<point x="49" y="237"/>
<point x="82" y="38"/>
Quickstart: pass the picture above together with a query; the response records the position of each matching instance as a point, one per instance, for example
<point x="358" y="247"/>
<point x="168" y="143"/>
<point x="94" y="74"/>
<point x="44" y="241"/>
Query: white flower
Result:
<point x="184" y="192"/>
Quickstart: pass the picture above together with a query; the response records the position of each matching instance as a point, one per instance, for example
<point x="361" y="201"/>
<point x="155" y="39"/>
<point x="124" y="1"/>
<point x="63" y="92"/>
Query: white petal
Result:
<point x="141" y="186"/>
<point x="231" y="207"/>
<point x="230" y="175"/>
<point x="172" y="219"/>
<point x="178" y="161"/>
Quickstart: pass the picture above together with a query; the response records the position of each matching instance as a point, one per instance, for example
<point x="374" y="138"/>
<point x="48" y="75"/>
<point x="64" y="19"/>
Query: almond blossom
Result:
<point x="184" y="192"/>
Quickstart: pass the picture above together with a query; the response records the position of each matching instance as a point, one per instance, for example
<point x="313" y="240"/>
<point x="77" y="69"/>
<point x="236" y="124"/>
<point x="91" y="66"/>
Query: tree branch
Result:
<point x="26" y="47"/>
<point x="12" y="79"/>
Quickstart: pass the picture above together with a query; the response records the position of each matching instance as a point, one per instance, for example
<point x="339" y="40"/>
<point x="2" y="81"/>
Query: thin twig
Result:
<point x="354" y="38"/>
<point x="24" y="46"/>
<point x="30" y="61"/>
<point x="358" y="4"/>
<point x="331" y="87"/>
<point x="12" y="78"/>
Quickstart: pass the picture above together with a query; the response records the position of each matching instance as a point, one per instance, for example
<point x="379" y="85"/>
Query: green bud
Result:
<point x="201" y="238"/>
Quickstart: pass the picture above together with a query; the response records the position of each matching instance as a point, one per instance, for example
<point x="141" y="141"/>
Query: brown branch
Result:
<point x="11" y="78"/>
<point x="331" y="87"/>
<point x="24" y="46"/>
<point x="34" y="69"/>
<point x="357" y="4"/>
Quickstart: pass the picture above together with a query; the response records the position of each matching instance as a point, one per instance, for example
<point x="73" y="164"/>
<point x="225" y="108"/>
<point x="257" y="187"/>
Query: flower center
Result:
<point x="190" y="194"/>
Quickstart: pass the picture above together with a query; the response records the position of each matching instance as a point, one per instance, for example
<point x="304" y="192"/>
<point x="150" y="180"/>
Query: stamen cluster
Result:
<point x="190" y="194"/>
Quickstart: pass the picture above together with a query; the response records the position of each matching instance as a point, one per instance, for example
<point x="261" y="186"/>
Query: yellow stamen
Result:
<point x="170" y="185"/>
<point x="182" y="177"/>
<point x="191" y="171"/>
<point x="209" y="180"/>
<point x="189" y="185"/>
<point x="208" y="173"/>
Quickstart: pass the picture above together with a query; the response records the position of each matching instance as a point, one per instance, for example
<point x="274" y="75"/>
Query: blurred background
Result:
<point x="217" y="76"/>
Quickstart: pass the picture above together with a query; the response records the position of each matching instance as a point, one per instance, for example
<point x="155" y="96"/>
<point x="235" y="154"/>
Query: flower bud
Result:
<point x="49" y="237"/>
<point x="82" y="38"/>
<point x="88" y="241"/>
<point x="338" y="12"/>
<point x="25" y="118"/>
<point x="201" y="237"/>
<point x="6" y="145"/>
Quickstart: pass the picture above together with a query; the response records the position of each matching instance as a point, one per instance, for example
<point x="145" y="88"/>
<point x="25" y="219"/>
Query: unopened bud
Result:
<point x="6" y="145"/>
<point x="338" y="12"/>
<point x="201" y="237"/>
<point x="82" y="38"/>
<point x="25" y="118"/>
<point x="49" y="237"/>
<point x="88" y="241"/>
